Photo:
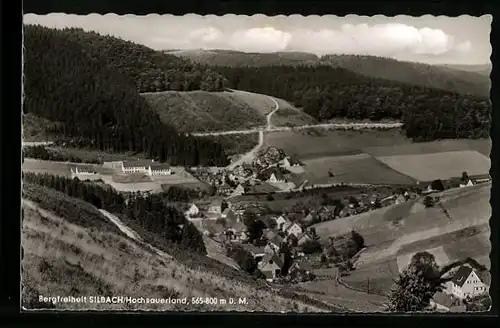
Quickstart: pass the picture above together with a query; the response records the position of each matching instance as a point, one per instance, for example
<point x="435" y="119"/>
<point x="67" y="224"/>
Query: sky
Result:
<point x="463" y="40"/>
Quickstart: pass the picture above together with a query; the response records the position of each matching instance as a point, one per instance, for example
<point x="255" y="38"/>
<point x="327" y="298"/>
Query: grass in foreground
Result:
<point x="62" y="257"/>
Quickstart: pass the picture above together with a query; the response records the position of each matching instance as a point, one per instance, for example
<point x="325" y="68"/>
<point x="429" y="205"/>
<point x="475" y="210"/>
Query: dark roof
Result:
<point x="445" y="300"/>
<point x="160" y="166"/>
<point x="145" y="162"/>
<point x="461" y="275"/>
<point x="272" y="257"/>
<point x="276" y="239"/>
<point x="305" y="233"/>
<point x="253" y="249"/>
<point x="84" y="168"/>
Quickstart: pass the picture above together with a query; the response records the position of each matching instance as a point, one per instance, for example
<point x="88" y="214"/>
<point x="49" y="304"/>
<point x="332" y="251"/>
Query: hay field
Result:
<point x="61" y="258"/>
<point x="427" y="167"/>
<point x="309" y="144"/>
<point x="201" y="111"/>
<point x="360" y="168"/>
<point x="482" y="146"/>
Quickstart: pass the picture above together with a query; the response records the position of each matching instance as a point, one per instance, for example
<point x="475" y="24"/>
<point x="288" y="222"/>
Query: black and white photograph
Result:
<point x="235" y="163"/>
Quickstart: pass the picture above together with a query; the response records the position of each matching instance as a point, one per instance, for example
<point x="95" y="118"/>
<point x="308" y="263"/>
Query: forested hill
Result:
<point x="245" y="59"/>
<point x="438" y="77"/>
<point x="66" y="82"/>
<point x="326" y="92"/>
<point x="150" y="70"/>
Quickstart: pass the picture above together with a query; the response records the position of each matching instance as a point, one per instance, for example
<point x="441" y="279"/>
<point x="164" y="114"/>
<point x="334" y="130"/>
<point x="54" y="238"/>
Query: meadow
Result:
<point x="360" y="168"/>
<point x="442" y="165"/>
<point x="315" y="143"/>
<point x="288" y="115"/>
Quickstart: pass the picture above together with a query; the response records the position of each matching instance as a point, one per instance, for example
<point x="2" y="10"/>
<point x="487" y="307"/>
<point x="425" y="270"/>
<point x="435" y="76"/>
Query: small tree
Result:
<point x="465" y="176"/>
<point x="311" y="246"/>
<point x="428" y="201"/>
<point x="358" y="240"/>
<point x="270" y="197"/>
<point x="331" y="174"/>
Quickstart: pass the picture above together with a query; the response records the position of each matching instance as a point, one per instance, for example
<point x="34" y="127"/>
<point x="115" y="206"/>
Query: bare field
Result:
<point x="427" y="167"/>
<point x="41" y="166"/>
<point x="201" y="111"/>
<point x="361" y="168"/>
<point x="482" y="146"/>
<point x="377" y="278"/>
<point x="307" y="144"/>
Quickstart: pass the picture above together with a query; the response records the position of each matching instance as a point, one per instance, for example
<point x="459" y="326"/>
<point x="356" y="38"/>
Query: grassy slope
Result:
<point x="397" y="232"/>
<point x="199" y="111"/>
<point x="62" y="257"/>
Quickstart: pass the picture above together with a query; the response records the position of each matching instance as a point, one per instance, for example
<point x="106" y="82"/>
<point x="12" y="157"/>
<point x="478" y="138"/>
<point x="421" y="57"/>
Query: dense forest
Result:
<point x="98" y="105"/>
<point x="150" y="212"/>
<point x="149" y="69"/>
<point x="431" y="76"/>
<point x="325" y="92"/>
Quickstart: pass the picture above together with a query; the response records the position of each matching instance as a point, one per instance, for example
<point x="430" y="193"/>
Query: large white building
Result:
<point x="467" y="283"/>
<point x="148" y="167"/>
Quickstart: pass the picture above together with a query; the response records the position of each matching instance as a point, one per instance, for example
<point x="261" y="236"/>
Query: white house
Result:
<point x="271" y="265"/>
<point x="280" y="221"/>
<point x="290" y="162"/>
<point x="193" y="210"/>
<point x="466" y="184"/>
<point x="276" y="178"/>
<point x="85" y="172"/>
<point x="466" y="283"/>
<point x="294" y="229"/>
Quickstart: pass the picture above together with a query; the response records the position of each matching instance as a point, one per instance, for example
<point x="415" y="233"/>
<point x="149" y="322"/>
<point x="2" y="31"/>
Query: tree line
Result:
<point x="150" y="211"/>
<point x="97" y="104"/>
<point x="326" y="92"/>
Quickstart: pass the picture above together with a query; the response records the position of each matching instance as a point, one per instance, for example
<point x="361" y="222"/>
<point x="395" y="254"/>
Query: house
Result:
<point x="304" y="237"/>
<point x="239" y="190"/>
<point x="215" y="207"/>
<point x="84" y="172"/>
<point x="271" y="265"/>
<point x="467" y="183"/>
<point x="224" y="189"/>
<point x="193" y="211"/>
<point x="294" y="229"/>
<point x="280" y="221"/>
<point x="276" y="177"/>
<point x="301" y="266"/>
<point x="257" y="252"/>
<point x="446" y="303"/>
<point x="275" y="242"/>
<point x="400" y="199"/>
<point x="286" y="225"/>
<point x="290" y="162"/>
<point x="139" y="166"/>
<point x="270" y="233"/>
<point x="268" y="249"/>
<point x="467" y="283"/>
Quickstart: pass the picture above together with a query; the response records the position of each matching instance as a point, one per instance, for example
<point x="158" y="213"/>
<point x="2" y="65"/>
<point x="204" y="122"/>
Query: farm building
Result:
<point x="257" y="252"/>
<point x="467" y="283"/>
<point x="467" y="183"/>
<point x="84" y="172"/>
<point x="271" y="265"/>
<point x="276" y="177"/>
<point x="304" y="237"/>
<point x="275" y="242"/>
<point x="280" y="221"/>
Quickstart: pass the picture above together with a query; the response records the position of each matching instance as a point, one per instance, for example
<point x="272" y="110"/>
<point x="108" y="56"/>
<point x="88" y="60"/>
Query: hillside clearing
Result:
<point x="289" y="115"/>
<point x="361" y="168"/>
<point x="309" y="144"/>
<point x="427" y="167"/>
<point x="201" y="111"/>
